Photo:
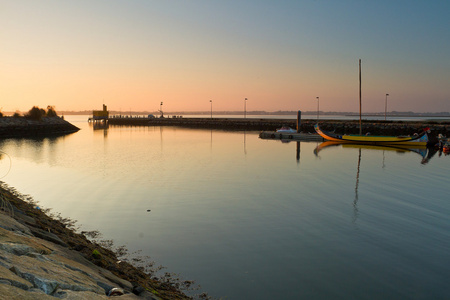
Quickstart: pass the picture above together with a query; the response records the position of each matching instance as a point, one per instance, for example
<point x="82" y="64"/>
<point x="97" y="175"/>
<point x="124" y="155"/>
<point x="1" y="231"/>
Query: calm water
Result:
<point x="249" y="218"/>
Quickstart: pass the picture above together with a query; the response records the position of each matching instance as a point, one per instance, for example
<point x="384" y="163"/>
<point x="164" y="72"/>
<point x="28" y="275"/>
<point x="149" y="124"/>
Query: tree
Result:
<point x="35" y="113"/>
<point x="51" y="112"/>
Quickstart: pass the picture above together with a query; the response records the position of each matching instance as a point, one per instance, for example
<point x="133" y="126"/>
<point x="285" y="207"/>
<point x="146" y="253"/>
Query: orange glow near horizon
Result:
<point x="132" y="56"/>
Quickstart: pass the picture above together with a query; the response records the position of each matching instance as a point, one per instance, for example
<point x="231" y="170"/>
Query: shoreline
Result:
<point x="42" y="257"/>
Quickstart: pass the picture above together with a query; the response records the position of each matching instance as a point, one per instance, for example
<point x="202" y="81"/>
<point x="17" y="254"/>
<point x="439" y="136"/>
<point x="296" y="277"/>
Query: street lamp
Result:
<point x="317" y="109"/>
<point x="385" y="107"/>
<point x="211" y="108"/>
<point x="245" y="108"/>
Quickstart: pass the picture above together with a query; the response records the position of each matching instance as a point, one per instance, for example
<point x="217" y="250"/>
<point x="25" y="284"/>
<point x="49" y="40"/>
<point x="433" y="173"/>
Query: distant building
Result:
<point x="100" y="114"/>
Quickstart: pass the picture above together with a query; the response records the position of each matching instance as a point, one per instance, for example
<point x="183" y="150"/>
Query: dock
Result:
<point x="268" y="126"/>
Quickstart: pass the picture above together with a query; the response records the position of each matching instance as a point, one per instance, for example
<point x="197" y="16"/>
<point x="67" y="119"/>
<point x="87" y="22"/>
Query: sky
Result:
<point x="280" y="55"/>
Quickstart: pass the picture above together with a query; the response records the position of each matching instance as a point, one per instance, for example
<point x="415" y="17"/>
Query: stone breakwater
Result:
<point x="40" y="258"/>
<point x="307" y="126"/>
<point x="22" y="127"/>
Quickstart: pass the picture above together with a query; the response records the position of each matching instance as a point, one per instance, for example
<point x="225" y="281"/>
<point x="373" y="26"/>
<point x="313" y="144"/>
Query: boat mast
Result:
<point x="360" y="126"/>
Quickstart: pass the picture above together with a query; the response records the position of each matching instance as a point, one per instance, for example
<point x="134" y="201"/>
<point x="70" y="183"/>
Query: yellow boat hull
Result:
<point x="419" y="140"/>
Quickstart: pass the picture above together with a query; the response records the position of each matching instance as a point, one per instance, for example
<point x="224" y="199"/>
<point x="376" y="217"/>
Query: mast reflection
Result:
<point x="355" y="201"/>
<point x="425" y="153"/>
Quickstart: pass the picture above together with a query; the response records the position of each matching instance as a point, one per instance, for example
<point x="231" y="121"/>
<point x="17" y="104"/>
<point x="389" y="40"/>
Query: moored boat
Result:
<point x="446" y="148"/>
<point x="286" y="129"/>
<point x="418" y="140"/>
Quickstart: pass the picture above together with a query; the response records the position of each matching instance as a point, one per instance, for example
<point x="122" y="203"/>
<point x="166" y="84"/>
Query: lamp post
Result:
<point x="245" y="108"/>
<point x="160" y="109"/>
<point x="317" y="109"/>
<point x="211" y="108"/>
<point x="385" y="107"/>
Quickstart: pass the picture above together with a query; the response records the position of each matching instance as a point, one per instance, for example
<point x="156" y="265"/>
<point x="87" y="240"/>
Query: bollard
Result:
<point x="299" y="120"/>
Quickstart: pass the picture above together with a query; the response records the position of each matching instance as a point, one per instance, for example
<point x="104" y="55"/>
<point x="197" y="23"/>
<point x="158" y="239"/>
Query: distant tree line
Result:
<point x="36" y="113"/>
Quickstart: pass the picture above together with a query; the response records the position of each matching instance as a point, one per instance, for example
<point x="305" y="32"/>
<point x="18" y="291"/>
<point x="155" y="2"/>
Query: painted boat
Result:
<point x="446" y="148"/>
<point x="417" y="140"/>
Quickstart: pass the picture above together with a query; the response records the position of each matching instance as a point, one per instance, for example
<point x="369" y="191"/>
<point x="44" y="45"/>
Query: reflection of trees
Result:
<point x="35" y="148"/>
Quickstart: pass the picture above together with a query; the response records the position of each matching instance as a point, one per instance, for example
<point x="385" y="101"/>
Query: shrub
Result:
<point x="35" y="113"/>
<point x="51" y="112"/>
<point x="96" y="254"/>
<point x="16" y="115"/>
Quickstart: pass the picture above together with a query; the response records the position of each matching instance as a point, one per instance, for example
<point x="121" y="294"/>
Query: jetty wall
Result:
<point x="22" y="127"/>
<point x="307" y="126"/>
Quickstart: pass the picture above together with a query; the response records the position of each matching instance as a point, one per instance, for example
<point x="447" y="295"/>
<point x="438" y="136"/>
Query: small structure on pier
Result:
<point x="100" y="115"/>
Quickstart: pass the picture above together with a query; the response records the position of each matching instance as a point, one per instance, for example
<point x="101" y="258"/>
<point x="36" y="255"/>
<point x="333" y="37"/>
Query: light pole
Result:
<point x="385" y="107"/>
<point x="317" y="110"/>
<point x="211" y="108"/>
<point x="245" y="108"/>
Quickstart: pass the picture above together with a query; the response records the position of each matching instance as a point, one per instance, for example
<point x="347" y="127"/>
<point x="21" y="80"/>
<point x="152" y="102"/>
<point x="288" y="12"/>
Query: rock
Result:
<point x="29" y="263"/>
<point x="143" y="293"/>
<point x="12" y="225"/>
<point x="47" y="236"/>
<point x="14" y="293"/>
<point x="115" y="292"/>
<point x="14" y="280"/>
<point x="43" y="267"/>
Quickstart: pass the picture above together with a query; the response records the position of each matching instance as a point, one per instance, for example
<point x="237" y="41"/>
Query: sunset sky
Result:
<point x="281" y="55"/>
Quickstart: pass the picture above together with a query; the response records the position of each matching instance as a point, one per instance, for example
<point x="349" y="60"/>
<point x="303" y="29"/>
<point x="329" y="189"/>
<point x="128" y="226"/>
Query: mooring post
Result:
<point x="299" y="120"/>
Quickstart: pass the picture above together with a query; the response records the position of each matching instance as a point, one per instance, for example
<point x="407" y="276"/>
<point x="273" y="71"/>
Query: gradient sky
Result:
<point x="281" y="55"/>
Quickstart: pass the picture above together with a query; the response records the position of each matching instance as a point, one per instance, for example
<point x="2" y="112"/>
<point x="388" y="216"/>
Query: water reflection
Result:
<point x="245" y="145"/>
<point x="100" y="127"/>
<point x="355" y="201"/>
<point x="5" y="164"/>
<point x="423" y="151"/>
<point x="37" y="148"/>
<point x="255" y="216"/>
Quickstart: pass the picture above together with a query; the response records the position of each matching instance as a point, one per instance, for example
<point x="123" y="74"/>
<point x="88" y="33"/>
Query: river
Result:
<point x="248" y="218"/>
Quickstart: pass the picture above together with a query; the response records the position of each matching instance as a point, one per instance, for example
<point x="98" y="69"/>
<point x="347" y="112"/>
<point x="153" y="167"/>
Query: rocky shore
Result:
<point x="42" y="258"/>
<point x="23" y="127"/>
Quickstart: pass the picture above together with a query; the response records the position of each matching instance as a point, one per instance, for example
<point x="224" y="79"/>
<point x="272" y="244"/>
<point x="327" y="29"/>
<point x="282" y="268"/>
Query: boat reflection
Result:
<point x="423" y="151"/>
